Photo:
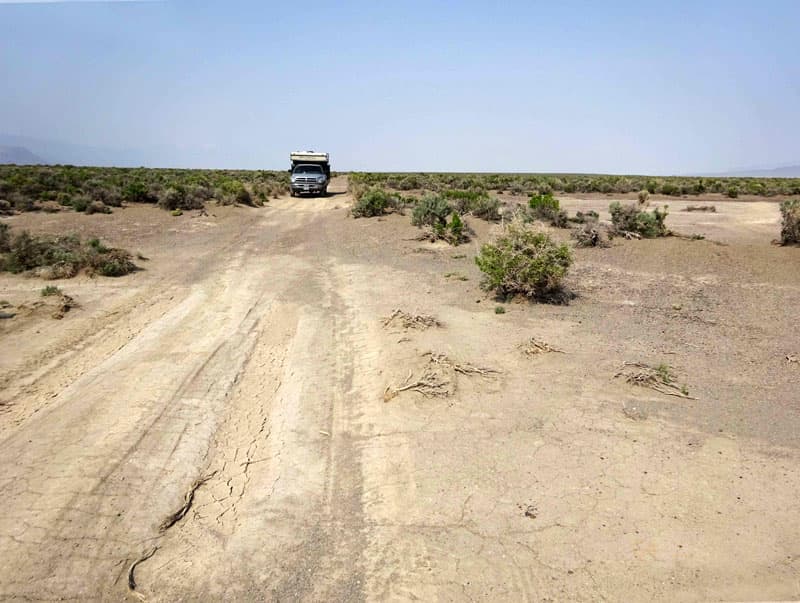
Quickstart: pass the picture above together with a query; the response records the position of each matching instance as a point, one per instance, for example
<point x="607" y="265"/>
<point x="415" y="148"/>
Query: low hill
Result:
<point x="18" y="156"/>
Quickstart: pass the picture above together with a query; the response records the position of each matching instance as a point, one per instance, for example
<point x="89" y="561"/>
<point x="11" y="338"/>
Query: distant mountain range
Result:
<point x="19" y="156"/>
<point x="786" y="171"/>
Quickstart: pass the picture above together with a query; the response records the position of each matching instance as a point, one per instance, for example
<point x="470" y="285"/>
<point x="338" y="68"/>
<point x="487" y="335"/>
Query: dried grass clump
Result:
<point x="534" y="347"/>
<point x="591" y="234"/>
<point x="411" y="321"/>
<point x="464" y="368"/>
<point x="660" y="378"/>
<point x="438" y="377"/>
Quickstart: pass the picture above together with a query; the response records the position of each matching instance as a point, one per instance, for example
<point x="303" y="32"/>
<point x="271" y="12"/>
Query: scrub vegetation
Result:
<point x="94" y="190"/>
<point x="57" y="257"/>
<point x="526" y="184"/>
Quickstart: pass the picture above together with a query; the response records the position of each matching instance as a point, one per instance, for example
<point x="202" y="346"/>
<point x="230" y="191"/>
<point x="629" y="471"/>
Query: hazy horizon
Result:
<point x="573" y="88"/>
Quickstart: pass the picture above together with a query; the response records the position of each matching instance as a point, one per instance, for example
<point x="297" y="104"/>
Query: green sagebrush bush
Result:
<point x="371" y="202"/>
<point x="790" y="228"/>
<point x="61" y="257"/>
<point x="524" y="261"/>
<point x="475" y="202"/>
<point x="5" y="238"/>
<point x="139" y="192"/>
<point x="545" y="207"/>
<point x="452" y="231"/>
<point x="631" y="219"/>
<point x="178" y="197"/>
<point x="431" y="210"/>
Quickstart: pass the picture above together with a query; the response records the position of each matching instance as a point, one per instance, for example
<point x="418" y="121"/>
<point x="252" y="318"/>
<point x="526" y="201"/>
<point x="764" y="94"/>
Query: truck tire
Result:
<point x="291" y="192"/>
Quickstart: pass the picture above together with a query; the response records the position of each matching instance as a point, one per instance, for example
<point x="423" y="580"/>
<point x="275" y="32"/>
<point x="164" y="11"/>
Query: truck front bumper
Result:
<point x="308" y="189"/>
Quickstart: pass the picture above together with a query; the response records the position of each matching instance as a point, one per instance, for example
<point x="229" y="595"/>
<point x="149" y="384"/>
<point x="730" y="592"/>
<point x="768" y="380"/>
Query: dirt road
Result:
<point x="216" y="427"/>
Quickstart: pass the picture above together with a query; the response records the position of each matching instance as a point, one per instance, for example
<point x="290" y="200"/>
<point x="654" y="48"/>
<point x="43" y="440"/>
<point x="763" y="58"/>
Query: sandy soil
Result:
<point x="215" y="427"/>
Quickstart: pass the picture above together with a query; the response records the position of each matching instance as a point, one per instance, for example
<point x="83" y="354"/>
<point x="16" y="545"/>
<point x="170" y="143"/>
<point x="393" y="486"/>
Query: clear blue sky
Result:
<point x="626" y="87"/>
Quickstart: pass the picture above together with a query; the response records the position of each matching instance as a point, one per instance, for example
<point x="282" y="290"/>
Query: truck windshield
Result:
<point x="308" y="169"/>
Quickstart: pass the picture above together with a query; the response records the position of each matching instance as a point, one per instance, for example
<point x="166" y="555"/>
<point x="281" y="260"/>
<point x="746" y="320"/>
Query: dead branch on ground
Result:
<point x="429" y="385"/>
<point x="534" y="347"/>
<point x="438" y="378"/>
<point x="188" y="499"/>
<point x="132" y="570"/>
<point x="411" y="321"/>
<point x="463" y="368"/>
<point x="658" y="379"/>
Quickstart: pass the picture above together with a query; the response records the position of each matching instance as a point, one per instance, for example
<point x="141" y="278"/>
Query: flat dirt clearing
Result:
<point x="214" y="427"/>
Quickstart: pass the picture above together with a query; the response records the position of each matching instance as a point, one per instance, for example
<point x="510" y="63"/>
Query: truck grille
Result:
<point x="305" y="180"/>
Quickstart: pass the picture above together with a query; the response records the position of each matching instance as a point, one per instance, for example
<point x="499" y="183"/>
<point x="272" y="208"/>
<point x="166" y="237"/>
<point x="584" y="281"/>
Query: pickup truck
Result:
<point x="311" y="173"/>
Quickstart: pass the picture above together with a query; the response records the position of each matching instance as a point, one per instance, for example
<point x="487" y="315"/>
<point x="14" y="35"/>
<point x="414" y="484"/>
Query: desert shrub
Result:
<point x="62" y="257"/>
<point x="706" y="208"/>
<point x="732" y="192"/>
<point x="524" y="261"/>
<point x="201" y="193"/>
<point x="50" y="291"/>
<point x="462" y="200"/>
<point x="80" y="203"/>
<point x="475" y="202"/>
<point x="178" y="197"/>
<point x="27" y="252"/>
<point x="432" y="210"/>
<point x="373" y="202"/>
<point x="243" y="196"/>
<point x="97" y="207"/>
<point x="112" y="262"/>
<point x="583" y="217"/>
<point x="232" y="192"/>
<point x="547" y="208"/>
<point x="454" y="231"/>
<point x="790" y="229"/>
<point x="138" y="192"/>
<point x="643" y="196"/>
<point x="543" y="201"/>
<point x="97" y="245"/>
<point x="5" y="238"/>
<point x="21" y="202"/>
<point x="668" y="188"/>
<point x="630" y="219"/>
<point x="591" y="234"/>
<point x="109" y="197"/>
<point x="408" y="183"/>
<point x="5" y="207"/>
<point x="486" y="208"/>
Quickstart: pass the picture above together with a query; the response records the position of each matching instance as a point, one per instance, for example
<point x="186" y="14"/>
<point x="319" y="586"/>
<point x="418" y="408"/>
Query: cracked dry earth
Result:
<point x="215" y="428"/>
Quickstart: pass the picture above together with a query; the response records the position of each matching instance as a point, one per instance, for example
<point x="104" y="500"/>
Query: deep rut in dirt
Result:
<point x="89" y="481"/>
<point x="298" y="480"/>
